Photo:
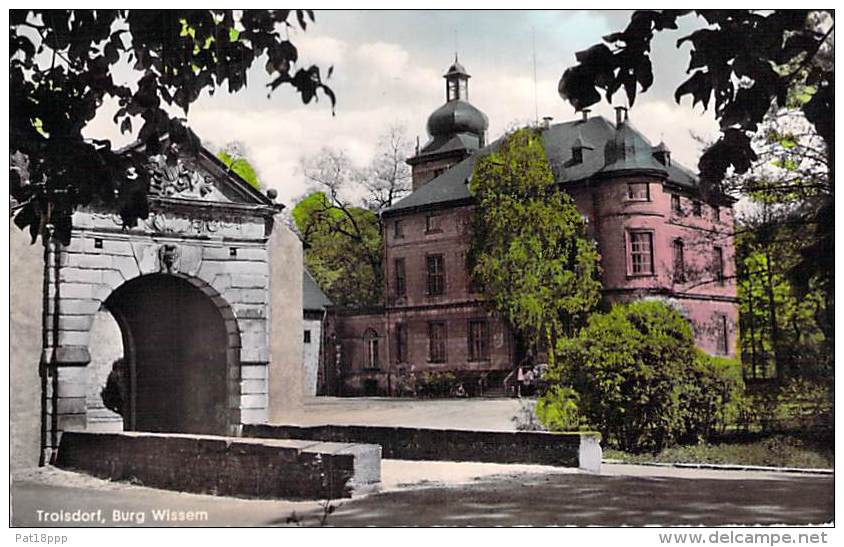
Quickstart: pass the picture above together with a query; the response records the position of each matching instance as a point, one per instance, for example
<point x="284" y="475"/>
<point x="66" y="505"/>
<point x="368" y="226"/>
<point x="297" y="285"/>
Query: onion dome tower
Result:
<point x="457" y="130"/>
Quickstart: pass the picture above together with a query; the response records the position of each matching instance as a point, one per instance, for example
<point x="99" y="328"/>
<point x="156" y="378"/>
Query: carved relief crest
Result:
<point x="168" y="258"/>
<point x="181" y="180"/>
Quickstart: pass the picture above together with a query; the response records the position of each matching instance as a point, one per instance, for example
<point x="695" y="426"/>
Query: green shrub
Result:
<point x="794" y="404"/>
<point x="712" y="396"/>
<point x="629" y="366"/>
<point x="558" y="409"/>
<point x="436" y="384"/>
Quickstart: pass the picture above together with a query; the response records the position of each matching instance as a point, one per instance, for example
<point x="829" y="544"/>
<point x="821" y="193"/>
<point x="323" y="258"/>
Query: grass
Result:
<point x="780" y="450"/>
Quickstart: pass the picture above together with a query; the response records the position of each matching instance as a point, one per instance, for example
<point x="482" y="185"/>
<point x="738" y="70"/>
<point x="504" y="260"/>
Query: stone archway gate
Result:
<point x="210" y="228"/>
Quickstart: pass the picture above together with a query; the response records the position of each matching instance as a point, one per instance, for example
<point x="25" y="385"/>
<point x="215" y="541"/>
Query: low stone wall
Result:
<point x="226" y="466"/>
<point x="581" y="450"/>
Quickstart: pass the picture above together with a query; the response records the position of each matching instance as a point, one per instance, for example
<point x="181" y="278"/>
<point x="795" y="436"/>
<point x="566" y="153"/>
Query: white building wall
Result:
<point x="311" y="353"/>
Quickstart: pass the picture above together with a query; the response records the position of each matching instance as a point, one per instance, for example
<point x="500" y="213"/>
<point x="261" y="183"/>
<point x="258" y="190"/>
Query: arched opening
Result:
<point x="103" y="412"/>
<point x="180" y="352"/>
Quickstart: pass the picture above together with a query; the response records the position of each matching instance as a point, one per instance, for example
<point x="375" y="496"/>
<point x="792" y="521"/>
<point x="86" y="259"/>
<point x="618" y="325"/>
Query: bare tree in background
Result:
<point x="387" y="179"/>
<point x="339" y="218"/>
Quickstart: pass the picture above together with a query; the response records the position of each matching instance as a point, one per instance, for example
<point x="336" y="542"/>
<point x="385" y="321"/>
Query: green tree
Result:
<point x="529" y="250"/>
<point x="637" y="377"/>
<point x="342" y="249"/>
<point x="790" y="221"/>
<point x="64" y="65"/>
<point x="784" y="331"/>
<point x="234" y="158"/>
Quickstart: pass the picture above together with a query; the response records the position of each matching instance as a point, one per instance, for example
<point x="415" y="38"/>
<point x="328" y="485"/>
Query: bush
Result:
<point x="558" y="408"/>
<point x="712" y="396"/>
<point x="436" y="384"/>
<point x="794" y="404"/>
<point x="629" y="367"/>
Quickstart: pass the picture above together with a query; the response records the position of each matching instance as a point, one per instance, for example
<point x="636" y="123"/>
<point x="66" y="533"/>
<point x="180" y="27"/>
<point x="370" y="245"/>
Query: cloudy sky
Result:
<point x="388" y="68"/>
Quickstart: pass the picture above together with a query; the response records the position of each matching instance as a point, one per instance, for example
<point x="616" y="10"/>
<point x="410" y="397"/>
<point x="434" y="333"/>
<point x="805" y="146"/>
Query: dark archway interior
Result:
<point x="175" y="343"/>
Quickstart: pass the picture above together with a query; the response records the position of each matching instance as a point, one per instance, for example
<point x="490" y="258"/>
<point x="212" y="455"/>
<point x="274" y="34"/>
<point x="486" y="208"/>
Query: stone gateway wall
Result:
<point x="224" y="466"/>
<point x="285" y="384"/>
<point x="407" y="443"/>
<point x="26" y="273"/>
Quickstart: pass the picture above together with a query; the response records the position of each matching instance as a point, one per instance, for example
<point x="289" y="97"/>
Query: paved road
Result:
<point x="607" y="500"/>
<point x="462" y="494"/>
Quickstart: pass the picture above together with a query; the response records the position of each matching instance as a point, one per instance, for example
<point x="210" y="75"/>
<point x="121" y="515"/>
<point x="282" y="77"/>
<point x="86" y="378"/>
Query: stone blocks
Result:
<point x="226" y="466"/>
<point x="580" y="450"/>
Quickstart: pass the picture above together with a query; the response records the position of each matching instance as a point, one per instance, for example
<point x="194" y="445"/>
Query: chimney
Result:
<point x="546" y="121"/>
<point x="585" y="113"/>
<point x="620" y="115"/>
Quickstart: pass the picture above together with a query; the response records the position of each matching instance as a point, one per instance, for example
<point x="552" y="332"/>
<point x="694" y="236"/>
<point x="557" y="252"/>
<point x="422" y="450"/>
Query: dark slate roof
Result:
<point x="450" y="143"/>
<point x="456" y="68"/>
<point x="457" y="116"/>
<point x="597" y="133"/>
<point x="313" y="299"/>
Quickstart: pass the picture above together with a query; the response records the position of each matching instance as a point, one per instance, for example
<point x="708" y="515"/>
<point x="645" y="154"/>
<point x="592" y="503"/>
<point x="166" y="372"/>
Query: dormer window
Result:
<point x="662" y="154"/>
<point x="577" y="148"/>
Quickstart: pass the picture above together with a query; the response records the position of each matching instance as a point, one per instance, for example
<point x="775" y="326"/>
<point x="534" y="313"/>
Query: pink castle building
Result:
<point x="658" y="236"/>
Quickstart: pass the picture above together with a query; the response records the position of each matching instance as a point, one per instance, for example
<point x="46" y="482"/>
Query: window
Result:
<point x="641" y="253"/>
<point x="401" y="343"/>
<point x="436" y="274"/>
<point x="716" y="213"/>
<point x="370" y="346"/>
<point x="675" y="204"/>
<point x="697" y="208"/>
<point x="679" y="261"/>
<point x="401" y="279"/>
<point x="436" y="342"/>
<point x="398" y="229"/>
<point x="307" y="337"/>
<point x="452" y="90"/>
<point x="478" y="340"/>
<point x="638" y="191"/>
<point x="718" y="265"/>
<point x="577" y="155"/>
<point x="723" y="334"/>
<point x="432" y="223"/>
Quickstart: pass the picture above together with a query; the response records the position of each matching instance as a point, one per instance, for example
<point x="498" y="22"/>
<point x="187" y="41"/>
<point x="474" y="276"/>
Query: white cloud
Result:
<point x="383" y="58"/>
<point x="320" y="49"/>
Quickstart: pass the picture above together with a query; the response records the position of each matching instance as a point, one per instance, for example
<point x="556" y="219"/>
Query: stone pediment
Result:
<point x="201" y="178"/>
